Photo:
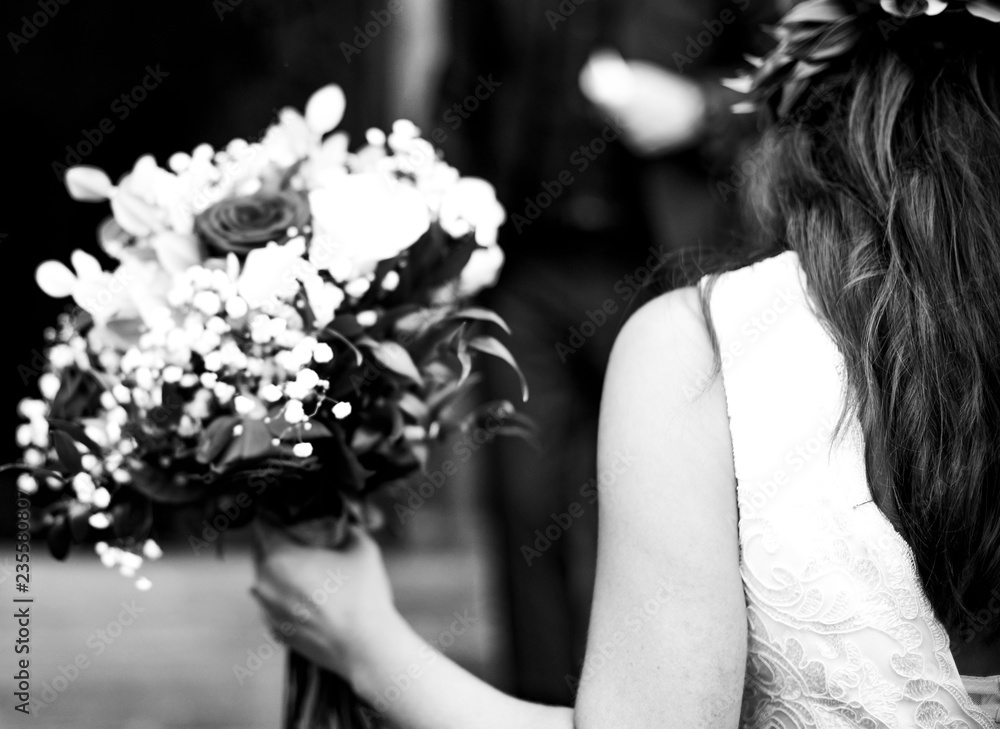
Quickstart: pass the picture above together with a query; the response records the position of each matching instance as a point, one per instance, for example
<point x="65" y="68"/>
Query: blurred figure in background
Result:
<point x="605" y="166"/>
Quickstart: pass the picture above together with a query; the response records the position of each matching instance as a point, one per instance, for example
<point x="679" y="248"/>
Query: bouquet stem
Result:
<point x="318" y="699"/>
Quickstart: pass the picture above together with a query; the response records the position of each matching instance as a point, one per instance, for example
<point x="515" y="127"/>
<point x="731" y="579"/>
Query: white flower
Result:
<point x="294" y="412"/>
<point x="84" y="487"/>
<point x="307" y="378"/>
<point x="390" y="281"/>
<point x="341" y="410"/>
<point x="323" y="353"/>
<point x="302" y="450"/>
<point x="271" y="273"/>
<point x="27" y="484"/>
<point x="366" y="218"/>
<point x="101" y="498"/>
<point x="143" y="584"/>
<point x="151" y="550"/>
<point x="122" y="394"/>
<point x="151" y="200"/>
<point x="61" y="356"/>
<point x="325" y="109"/>
<point x="208" y="302"/>
<point x="24" y="435"/>
<point x="358" y="287"/>
<point x="236" y="307"/>
<point x="271" y="393"/>
<point x="304" y="349"/>
<point x="48" y="385"/>
<point x="32" y="409"/>
<point x="482" y="270"/>
<point x="92" y="288"/>
<point x="172" y="374"/>
<point x="213" y="361"/>
<point x="224" y="392"/>
<point x="244" y="405"/>
<point x="296" y="390"/>
<point x="367" y="318"/>
<point x="471" y="205"/>
<point x="99" y="520"/>
<point x="176" y="252"/>
<point x="288" y="141"/>
<point x="324" y="298"/>
<point x="144" y="378"/>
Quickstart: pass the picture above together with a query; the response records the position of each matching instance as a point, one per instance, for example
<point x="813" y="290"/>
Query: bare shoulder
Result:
<point x="665" y="351"/>
<point x="663" y="397"/>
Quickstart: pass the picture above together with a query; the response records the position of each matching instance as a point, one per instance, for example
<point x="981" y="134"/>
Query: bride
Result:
<point x="808" y="534"/>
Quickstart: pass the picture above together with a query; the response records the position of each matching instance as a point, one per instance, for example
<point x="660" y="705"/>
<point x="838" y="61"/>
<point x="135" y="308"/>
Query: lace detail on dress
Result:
<point x="841" y="634"/>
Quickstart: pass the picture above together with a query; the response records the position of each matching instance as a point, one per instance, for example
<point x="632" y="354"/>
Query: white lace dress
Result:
<point x="841" y="633"/>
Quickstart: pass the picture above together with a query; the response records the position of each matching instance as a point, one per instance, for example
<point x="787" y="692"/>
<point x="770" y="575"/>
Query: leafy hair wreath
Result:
<point x="815" y="35"/>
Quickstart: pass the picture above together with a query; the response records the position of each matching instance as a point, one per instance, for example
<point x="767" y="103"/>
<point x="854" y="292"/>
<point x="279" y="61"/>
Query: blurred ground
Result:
<point x="173" y="666"/>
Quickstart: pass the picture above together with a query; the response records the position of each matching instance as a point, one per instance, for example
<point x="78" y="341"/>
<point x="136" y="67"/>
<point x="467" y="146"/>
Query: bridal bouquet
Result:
<point x="283" y="333"/>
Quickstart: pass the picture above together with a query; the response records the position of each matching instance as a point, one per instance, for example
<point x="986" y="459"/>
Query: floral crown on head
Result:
<point x="816" y="35"/>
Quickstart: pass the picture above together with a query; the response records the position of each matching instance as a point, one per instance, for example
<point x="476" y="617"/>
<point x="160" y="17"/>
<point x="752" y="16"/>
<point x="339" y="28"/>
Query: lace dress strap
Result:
<point x="985" y="692"/>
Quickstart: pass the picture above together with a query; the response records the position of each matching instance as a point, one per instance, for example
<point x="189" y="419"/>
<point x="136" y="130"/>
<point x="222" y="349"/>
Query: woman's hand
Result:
<point x="329" y="605"/>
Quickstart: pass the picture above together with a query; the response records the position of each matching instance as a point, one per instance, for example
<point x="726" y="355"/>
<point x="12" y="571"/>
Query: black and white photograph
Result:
<point x="500" y="364"/>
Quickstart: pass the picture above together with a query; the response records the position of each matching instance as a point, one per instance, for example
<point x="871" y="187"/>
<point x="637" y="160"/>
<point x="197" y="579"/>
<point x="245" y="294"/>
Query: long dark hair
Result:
<point x="889" y="192"/>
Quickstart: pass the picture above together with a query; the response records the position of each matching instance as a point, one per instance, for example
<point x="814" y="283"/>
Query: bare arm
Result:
<point x="667" y="643"/>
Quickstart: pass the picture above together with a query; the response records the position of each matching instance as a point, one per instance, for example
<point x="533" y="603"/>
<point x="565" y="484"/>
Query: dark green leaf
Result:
<point x="215" y="438"/>
<point x="413" y="406"/>
<point x="79" y="525"/>
<point x="76" y="432"/>
<point x="491" y="346"/>
<point x="65" y="447"/>
<point x="426" y="344"/>
<point x="476" y="313"/>
<point x="161" y="487"/>
<point x="59" y="538"/>
<point x="346" y="342"/>
<point x="394" y="357"/>
<point x="346" y="325"/>
<point x="252" y="444"/>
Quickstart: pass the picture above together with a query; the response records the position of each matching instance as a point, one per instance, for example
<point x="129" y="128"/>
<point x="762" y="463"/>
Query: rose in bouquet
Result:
<point x="284" y="332"/>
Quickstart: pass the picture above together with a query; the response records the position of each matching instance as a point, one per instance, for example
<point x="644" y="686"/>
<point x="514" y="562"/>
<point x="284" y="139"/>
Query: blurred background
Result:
<point x="612" y="145"/>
